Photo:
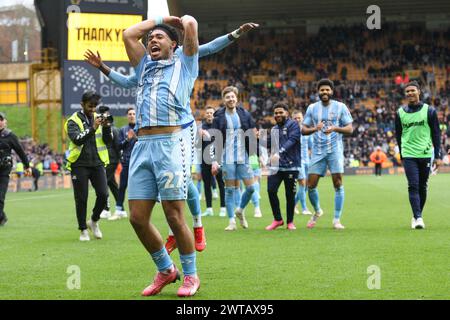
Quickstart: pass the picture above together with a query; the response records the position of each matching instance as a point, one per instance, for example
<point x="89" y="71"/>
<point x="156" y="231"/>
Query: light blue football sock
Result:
<point x="313" y="194"/>
<point x="193" y="199"/>
<point x="247" y="195"/>
<point x="302" y="196"/>
<point x="237" y="197"/>
<point x="255" y="195"/>
<point x="188" y="264"/>
<point x="339" y="197"/>
<point x="162" y="259"/>
<point x="199" y="186"/>
<point x="229" y="201"/>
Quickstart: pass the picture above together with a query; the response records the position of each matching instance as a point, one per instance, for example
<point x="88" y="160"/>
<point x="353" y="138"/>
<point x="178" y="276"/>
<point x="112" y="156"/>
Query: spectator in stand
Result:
<point x="54" y="168"/>
<point x="378" y="157"/>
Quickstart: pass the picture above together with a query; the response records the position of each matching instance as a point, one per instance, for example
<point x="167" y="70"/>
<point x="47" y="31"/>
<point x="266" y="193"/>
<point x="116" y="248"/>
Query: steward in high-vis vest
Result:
<point x="88" y="156"/>
<point x="418" y="138"/>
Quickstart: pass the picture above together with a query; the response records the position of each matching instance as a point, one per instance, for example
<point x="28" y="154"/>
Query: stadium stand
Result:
<point x="369" y="72"/>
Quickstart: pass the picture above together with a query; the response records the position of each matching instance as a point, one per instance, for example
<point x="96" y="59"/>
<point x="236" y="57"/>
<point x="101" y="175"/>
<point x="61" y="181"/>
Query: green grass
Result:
<point x="19" y="121"/>
<point x="41" y="240"/>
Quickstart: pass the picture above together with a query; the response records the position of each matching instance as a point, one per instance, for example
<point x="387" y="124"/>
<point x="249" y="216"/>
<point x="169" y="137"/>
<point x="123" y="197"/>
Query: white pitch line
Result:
<point x="39" y="197"/>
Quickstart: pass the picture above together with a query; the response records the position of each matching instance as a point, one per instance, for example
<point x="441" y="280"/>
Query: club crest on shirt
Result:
<point x="158" y="74"/>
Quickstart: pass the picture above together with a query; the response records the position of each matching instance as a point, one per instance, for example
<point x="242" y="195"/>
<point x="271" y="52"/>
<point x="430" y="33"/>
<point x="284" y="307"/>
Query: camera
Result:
<point x="103" y="113"/>
<point x="6" y="161"/>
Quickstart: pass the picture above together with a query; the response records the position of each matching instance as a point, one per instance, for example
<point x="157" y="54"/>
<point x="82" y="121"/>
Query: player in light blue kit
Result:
<point x="194" y="194"/>
<point x="305" y="147"/>
<point x="160" y="161"/>
<point x="327" y="120"/>
<point x="239" y="141"/>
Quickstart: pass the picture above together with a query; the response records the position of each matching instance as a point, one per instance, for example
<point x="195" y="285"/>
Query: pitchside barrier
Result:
<point x="62" y="181"/>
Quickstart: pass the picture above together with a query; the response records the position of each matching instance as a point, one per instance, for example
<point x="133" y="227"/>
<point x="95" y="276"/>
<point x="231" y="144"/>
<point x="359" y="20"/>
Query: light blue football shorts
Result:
<point x="320" y="162"/>
<point x="160" y="164"/>
<point x="303" y="172"/>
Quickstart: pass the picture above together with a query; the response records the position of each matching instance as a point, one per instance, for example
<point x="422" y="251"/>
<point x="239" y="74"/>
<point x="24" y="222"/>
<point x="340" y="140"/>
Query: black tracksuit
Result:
<point x="289" y="151"/>
<point x="8" y="142"/>
<point x="206" y="170"/>
<point x="88" y="167"/>
<point x="126" y="146"/>
<point x="114" y="157"/>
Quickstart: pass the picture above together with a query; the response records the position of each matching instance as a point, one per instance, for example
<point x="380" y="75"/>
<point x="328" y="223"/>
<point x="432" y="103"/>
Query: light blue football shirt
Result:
<point x="203" y="50"/>
<point x="234" y="152"/>
<point x="306" y="145"/>
<point x="164" y="90"/>
<point x="336" y="114"/>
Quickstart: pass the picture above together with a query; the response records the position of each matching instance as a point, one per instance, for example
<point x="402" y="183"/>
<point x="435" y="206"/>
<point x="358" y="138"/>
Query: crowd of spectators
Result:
<point x="41" y="153"/>
<point x="286" y="58"/>
<point x="381" y="57"/>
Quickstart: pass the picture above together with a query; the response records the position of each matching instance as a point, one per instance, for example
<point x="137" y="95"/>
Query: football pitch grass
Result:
<point x="40" y="244"/>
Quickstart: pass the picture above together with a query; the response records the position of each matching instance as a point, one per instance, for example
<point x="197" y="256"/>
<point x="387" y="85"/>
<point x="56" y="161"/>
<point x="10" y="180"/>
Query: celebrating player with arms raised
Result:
<point x="159" y="162"/>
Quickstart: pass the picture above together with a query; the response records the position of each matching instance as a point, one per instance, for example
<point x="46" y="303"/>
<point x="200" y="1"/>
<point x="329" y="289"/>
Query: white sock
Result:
<point x="197" y="221"/>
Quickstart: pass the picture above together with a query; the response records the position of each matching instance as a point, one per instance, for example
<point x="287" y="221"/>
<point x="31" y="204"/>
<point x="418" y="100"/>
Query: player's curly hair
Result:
<point x="325" y="82"/>
<point x="280" y="105"/>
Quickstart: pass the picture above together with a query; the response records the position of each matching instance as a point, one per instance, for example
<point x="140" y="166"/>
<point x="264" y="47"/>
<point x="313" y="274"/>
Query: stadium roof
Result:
<point x="224" y="11"/>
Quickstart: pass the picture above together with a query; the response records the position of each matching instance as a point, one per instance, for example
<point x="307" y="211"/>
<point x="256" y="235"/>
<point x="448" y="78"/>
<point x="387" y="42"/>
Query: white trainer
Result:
<point x="223" y="212"/>
<point x="241" y="216"/>
<point x="420" y="224"/>
<point x="84" y="236"/>
<point x="93" y="226"/>
<point x="296" y="210"/>
<point x="122" y="213"/>
<point x="413" y="223"/>
<point x="306" y="212"/>
<point x="215" y="195"/>
<point x="208" y="212"/>
<point x="106" y="214"/>
<point x="258" y="213"/>
<point x="338" y="225"/>
<point x="231" y="226"/>
<point x="119" y="214"/>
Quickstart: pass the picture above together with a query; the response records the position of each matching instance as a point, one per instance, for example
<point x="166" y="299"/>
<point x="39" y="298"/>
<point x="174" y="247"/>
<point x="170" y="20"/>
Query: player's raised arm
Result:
<point x="222" y="42"/>
<point x="190" y="43"/>
<point x="96" y="61"/>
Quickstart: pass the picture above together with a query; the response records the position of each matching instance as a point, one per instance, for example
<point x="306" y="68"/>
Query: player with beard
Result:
<point x="239" y="142"/>
<point x="327" y="120"/>
<point x="284" y="165"/>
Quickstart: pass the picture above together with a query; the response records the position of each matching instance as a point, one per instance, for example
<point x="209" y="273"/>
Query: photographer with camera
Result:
<point x="8" y="142"/>
<point x="89" y="134"/>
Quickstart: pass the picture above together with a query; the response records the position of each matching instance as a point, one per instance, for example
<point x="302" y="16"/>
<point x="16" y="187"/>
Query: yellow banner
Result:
<point x="96" y="31"/>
